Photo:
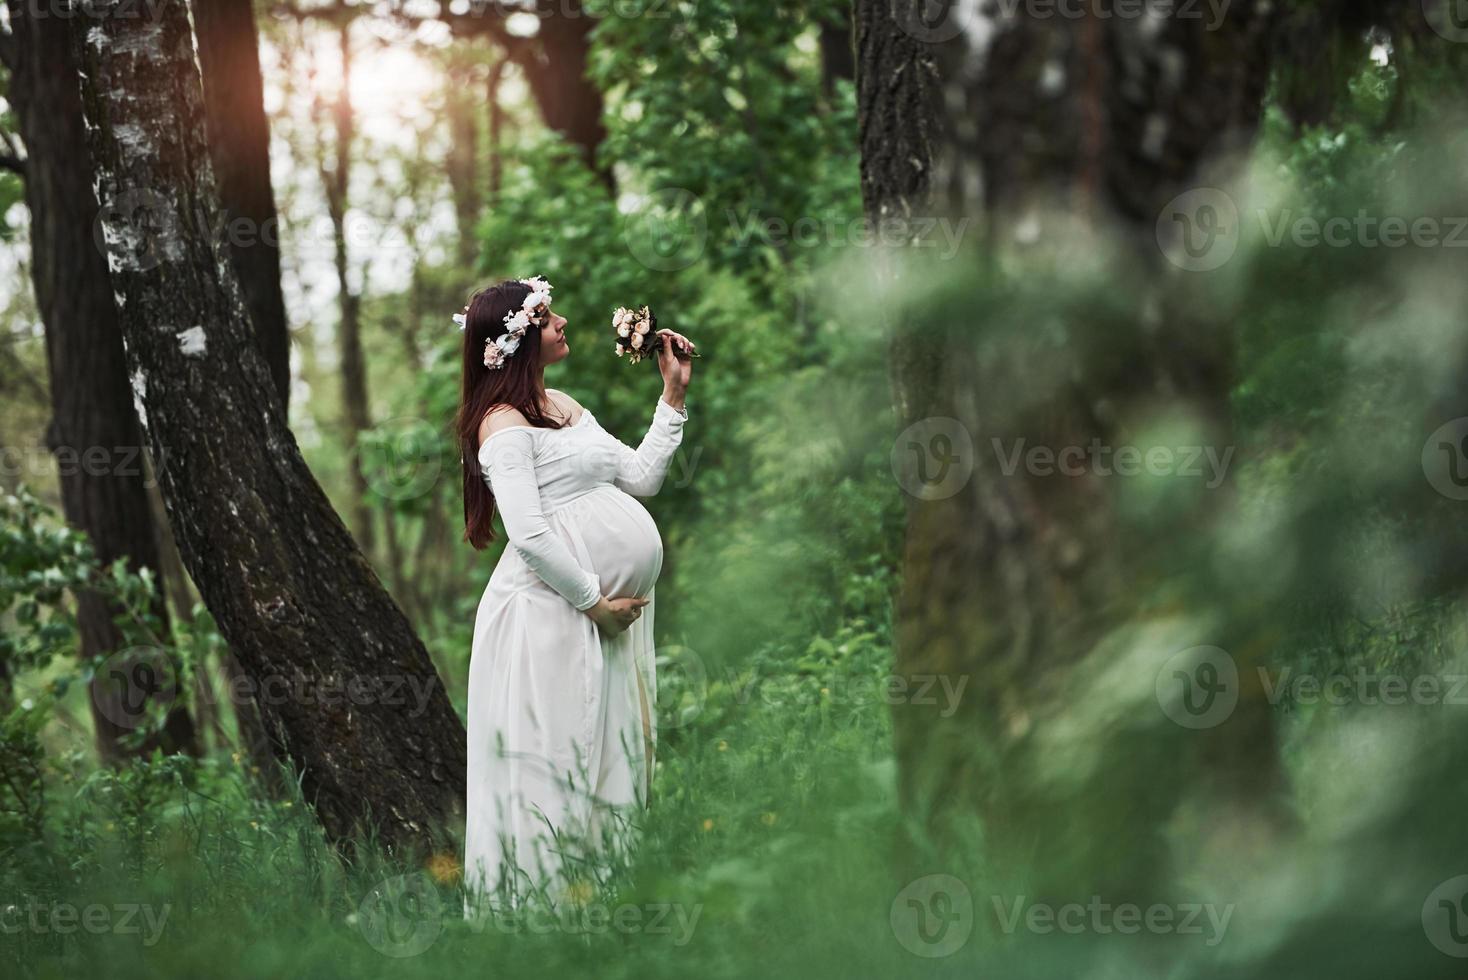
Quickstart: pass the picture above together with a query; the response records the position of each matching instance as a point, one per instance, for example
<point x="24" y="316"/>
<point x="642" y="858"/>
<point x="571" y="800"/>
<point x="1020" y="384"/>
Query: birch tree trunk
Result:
<point x="366" y="721"/>
<point x="239" y="150"/>
<point x="93" y="430"/>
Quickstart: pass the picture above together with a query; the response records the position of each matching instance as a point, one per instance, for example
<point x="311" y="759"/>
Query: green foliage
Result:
<point x="44" y="565"/>
<point x="40" y="559"/>
<point x="12" y="188"/>
<point x="722" y="100"/>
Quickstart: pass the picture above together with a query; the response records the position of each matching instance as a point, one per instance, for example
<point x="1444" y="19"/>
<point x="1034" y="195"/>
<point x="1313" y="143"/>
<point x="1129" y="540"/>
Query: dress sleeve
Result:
<point x="508" y="462"/>
<point x="640" y="471"/>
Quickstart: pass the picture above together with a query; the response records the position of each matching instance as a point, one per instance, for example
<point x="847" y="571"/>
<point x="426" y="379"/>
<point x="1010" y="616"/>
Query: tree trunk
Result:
<point x="7" y="686"/>
<point x="554" y="61"/>
<point x="838" y="49"/>
<point x="249" y="728"/>
<point x="93" y="429"/>
<point x="173" y="588"/>
<point x="239" y="149"/>
<point x="337" y="181"/>
<point x="1060" y="597"/>
<point x="366" y="721"/>
<point x="462" y="165"/>
<point x="496" y="130"/>
<point x="555" y="67"/>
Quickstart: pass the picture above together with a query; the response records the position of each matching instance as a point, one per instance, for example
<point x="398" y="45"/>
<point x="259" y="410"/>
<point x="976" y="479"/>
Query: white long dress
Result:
<point x="561" y="719"/>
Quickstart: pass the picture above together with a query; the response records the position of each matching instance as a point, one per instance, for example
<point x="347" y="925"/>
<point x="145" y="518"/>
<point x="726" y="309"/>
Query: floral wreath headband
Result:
<point x="532" y="312"/>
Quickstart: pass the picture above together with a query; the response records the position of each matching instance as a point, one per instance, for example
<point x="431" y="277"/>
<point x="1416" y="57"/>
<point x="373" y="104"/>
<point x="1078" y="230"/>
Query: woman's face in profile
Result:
<point x="553" y="346"/>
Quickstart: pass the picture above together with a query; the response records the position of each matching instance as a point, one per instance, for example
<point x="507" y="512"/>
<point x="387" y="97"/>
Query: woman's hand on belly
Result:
<point x="613" y="616"/>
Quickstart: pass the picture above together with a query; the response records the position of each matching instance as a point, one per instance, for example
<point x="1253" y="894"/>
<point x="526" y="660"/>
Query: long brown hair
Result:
<point x="512" y="384"/>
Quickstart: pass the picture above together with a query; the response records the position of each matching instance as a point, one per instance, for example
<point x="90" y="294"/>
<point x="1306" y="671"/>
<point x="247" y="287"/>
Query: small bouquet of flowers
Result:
<point x="637" y="332"/>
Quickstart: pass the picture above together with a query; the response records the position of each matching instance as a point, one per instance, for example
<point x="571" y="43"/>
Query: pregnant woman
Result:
<point x="561" y="676"/>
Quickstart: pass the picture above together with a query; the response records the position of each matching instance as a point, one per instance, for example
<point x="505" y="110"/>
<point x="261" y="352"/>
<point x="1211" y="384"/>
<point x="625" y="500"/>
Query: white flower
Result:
<point x="493" y="356"/>
<point x="460" y="320"/>
<point x="623" y="330"/>
<point x="535" y="301"/>
<point x="509" y="343"/>
<point x="637" y="340"/>
<point x="518" y="321"/>
<point x="642" y="326"/>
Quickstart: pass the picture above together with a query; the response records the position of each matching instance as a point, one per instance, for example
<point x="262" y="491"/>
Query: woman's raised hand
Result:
<point x="613" y="616"/>
<point x="673" y="360"/>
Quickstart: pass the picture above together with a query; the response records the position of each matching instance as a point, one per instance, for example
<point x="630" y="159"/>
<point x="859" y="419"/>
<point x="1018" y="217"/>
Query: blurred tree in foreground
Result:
<point x="1103" y="608"/>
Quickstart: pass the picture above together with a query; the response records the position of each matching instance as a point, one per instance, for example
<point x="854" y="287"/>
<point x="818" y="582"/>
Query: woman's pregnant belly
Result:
<point x="621" y="540"/>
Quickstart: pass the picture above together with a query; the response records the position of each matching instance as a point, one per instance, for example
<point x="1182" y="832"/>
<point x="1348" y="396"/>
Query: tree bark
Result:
<point x="239" y="149"/>
<point x="93" y="429"/>
<point x="365" y="720"/>
<point x="1032" y="585"/>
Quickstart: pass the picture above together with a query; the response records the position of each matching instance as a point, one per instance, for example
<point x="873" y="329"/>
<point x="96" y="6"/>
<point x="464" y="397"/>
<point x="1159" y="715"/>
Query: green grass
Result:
<point x="768" y="844"/>
<point x="775" y="847"/>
